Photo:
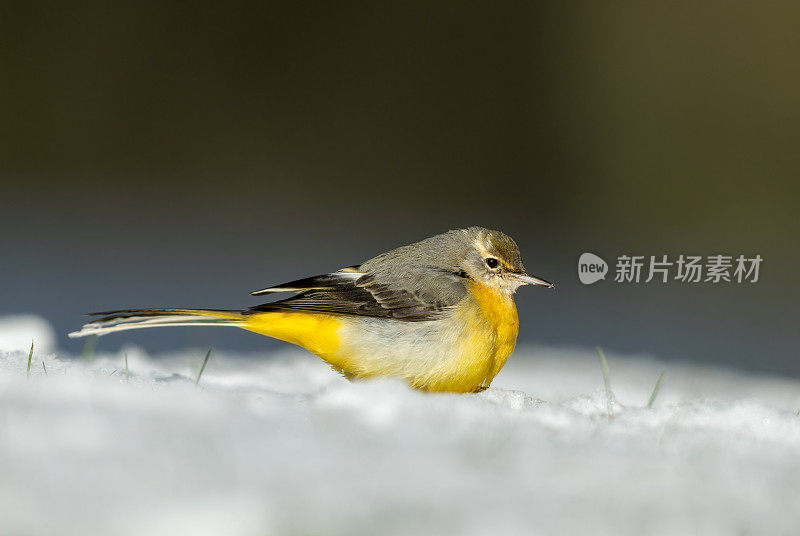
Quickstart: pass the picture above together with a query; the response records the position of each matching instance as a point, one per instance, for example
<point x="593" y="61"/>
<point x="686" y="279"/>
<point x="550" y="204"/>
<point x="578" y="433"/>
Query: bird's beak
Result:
<point x="525" y="279"/>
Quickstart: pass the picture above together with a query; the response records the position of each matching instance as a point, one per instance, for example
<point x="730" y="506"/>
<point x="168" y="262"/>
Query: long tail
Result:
<point x="112" y="321"/>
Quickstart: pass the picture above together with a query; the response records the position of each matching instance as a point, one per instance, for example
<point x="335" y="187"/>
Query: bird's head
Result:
<point x="493" y="259"/>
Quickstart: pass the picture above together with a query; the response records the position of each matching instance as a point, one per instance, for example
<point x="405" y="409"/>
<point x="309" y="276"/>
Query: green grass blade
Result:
<point x="203" y="367"/>
<point x="30" y="356"/>
<point x="604" y="368"/>
<point x="656" y="389"/>
<point x="606" y="378"/>
<point x="45" y="369"/>
<point x="89" y="347"/>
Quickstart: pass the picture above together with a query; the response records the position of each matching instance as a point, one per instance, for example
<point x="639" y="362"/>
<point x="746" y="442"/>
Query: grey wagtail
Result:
<point x="438" y="313"/>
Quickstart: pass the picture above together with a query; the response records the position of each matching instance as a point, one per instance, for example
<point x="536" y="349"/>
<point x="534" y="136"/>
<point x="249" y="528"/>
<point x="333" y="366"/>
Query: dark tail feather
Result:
<point x="121" y="320"/>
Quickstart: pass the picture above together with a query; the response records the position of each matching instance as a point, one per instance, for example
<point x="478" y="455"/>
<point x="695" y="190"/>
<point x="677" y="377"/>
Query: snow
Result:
<point x="17" y="331"/>
<point x="279" y="444"/>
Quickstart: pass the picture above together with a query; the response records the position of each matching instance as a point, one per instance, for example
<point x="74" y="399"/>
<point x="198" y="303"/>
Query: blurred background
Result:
<point x="184" y="155"/>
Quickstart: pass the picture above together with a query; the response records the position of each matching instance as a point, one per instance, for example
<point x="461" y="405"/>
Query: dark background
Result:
<point x="183" y="155"/>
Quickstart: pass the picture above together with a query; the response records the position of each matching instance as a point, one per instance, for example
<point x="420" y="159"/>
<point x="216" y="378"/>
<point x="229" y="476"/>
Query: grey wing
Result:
<point x="368" y="294"/>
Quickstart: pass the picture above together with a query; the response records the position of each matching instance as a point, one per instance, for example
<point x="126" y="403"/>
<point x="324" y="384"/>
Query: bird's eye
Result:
<point x="491" y="262"/>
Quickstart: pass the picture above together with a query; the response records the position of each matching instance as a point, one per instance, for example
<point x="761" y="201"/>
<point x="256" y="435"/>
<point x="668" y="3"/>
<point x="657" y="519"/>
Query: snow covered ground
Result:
<point x="279" y="444"/>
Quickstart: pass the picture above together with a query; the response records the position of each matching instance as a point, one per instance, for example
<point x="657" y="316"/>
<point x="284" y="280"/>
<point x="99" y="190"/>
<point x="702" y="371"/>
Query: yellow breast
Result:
<point x="461" y="352"/>
<point x="493" y="328"/>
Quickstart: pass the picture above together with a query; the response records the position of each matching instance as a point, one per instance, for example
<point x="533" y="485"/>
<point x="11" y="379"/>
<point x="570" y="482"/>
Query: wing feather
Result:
<point x="356" y="293"/>
<point x="309" y="283"/>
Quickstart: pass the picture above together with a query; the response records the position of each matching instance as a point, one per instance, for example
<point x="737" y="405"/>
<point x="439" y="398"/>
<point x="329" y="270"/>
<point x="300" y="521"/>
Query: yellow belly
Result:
<point x="462" y="352"/>
<point x="492" y="335"/>
<point x="316" y="332"/>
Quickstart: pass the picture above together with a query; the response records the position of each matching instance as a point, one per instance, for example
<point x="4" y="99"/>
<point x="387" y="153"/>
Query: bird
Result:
<point x="438" y="314"/>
